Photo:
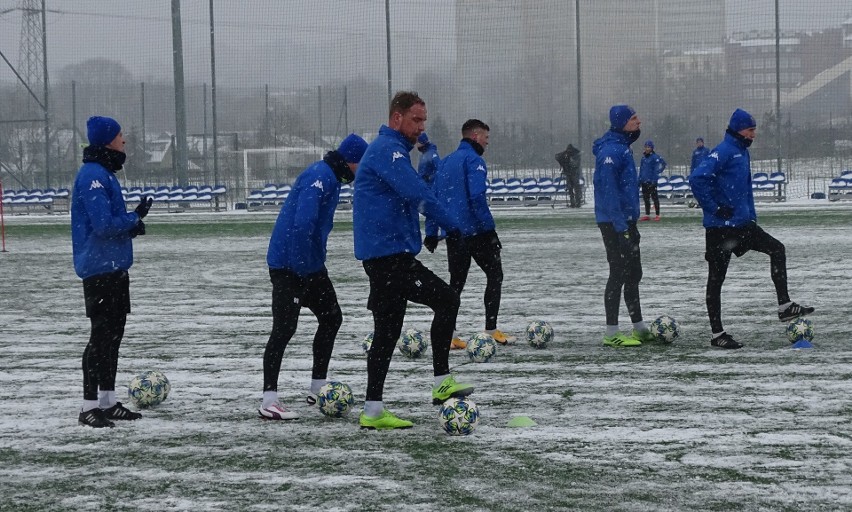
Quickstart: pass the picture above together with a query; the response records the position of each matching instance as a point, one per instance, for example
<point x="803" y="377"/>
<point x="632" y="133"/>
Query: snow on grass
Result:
<point x="656" y="428"/>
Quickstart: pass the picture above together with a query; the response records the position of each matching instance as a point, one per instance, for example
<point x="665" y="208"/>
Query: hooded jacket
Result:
<point x="460" y="185"/>
<point x="388" y="197"/>
<point x="616" y="183"/>
<point x="428" y="165"/>
<point x="300" y="235"/>
<point x="100" y="223"/>
<point x="723" y="178"/>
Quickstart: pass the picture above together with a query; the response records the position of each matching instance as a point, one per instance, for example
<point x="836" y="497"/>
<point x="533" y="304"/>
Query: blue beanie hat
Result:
<point x="740" y="120"/>
<point x="619" y="115"/>
<point x="423" y="138"/>
<point x="649" y="144"/>
<point x="352" y="148"/>
<point x="101" y="130"/>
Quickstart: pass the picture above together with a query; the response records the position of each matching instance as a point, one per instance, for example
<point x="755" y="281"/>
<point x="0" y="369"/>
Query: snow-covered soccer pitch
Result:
<point x="655" y="428"/>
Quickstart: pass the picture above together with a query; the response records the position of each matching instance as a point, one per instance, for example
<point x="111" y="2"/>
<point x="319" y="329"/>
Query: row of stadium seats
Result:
<point x="57" y="200"/>
<point x="840" y="188"/>
<point x="164" y="194"/>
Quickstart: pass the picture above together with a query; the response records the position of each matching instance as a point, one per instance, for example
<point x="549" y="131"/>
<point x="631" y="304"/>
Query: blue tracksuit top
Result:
<point x="387" y="198"/>
<point x="616" y="183"/>
<point x="650" y="168"/>
<point x="460" y="185"/>
<point x="100" y="223"/>
<point x="724" y="178"/>
<point x="428" y="165"/>
<point x="698" y="155"/>
<point x="299" y="238"/>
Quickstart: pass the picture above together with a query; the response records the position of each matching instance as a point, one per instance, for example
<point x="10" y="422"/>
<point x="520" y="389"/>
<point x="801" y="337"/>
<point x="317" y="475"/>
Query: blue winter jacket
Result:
<point x="428" y="165"/>
<point x="460" y="185"/>
<point x="650" y="168"/>
<point x="698" y="155"/>
<point x="300" y="234"/>
<point x="388" y="196"/>
<point x="723" y="178"/>
<point x="616" y="183"/>
<point x="100" y="223"/>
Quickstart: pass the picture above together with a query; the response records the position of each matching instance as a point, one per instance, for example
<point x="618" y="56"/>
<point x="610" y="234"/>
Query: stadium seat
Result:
<point x="846" y="175"/>
<point x="218" y="189"/>
<point x="777" y="177"/>
<point x="255" y="194"/>
<point x="759" y="177"/>
<point x="270" y="187"/>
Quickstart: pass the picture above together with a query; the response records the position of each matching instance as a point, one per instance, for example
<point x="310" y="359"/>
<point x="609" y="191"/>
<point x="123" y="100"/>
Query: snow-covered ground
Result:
<point x="655" y="428"/>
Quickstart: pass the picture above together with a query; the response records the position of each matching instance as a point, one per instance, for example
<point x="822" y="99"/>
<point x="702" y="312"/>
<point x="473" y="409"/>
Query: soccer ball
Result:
<point x="412" y="343"/>
<point x="148" y="388"/>
<point x="481" y="348"/>
<point x="665" y="329"/>
<point x="800" y="328"/>
<point x="539" y="333"/>
<point x="459" y="416"/>
<point x="366" y="343"/>
<point x="335" y="399"/>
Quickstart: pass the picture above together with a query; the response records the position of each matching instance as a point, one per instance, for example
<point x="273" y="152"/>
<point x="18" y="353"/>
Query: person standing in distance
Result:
<point x="569" y="160"/>
<point x="698" y="154"/>
<point x="102" y="231"/>
<point x="722" y="186"/>
<point x="388" y="197"/>
<point x="296" y="259"/>
<point x="650" y="168"/>
<point x="616" y="211"/>
<point x="460" y="185"/>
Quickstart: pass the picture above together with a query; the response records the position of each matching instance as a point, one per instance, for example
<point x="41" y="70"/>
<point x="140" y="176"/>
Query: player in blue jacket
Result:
<point x="296" y="260"/>
<point x="429" y="158"/>
<point x="616" y="212"/>
<point x="461" y="185"/>
<point x="101" y="237"/>
<point x="650" y="167"/>
<point x="698" y="154"/>
<point x="722" y="186"/>
<point x="388" y="197"/>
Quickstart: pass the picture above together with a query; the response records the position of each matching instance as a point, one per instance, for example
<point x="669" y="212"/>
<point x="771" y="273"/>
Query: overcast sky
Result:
<point x="273" y="37"/>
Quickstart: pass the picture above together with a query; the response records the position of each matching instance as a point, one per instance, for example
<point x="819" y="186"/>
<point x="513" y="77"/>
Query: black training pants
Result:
<point x="107" y="299"/>
<point x="290" y="293"/>
<point x="720" y="243"/>
<point x="649" y="193"/>
<point x="484" y="249"/>
<point x="395" y="280"/>
<point x="625" y="272"/>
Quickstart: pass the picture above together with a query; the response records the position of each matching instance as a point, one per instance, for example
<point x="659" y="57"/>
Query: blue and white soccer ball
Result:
<point x="539" y="333"/>
<point x="665" y="329"/>
<point x="412" y="343"/>
<point x="459" y="416"/>
<point x="335" y="399"/>
<point x="481" y="347"/>
<point x="148" y="389"/>
<point x="800" y="328"/>
<point x="366" y="343"/>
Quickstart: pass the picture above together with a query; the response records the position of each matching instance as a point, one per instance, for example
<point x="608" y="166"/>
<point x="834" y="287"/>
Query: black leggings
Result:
<point x="100" y="358"/>
<point x="290" y="293"/>
<point x="484" y="249"/>
<point x="720" y="244"/>
<point x="395" y="280"/>
<point x="649" y="192"/>
<point x="625" y="271"/>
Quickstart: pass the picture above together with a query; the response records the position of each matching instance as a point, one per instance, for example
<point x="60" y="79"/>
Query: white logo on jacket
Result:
<point x="715" y="155"/>
<point x="480" y="168"/>
<point x="318" y="184"/>
<point x="608" y="160"/>
<point x="397" y="154"/>
<point x="95" y="184"/>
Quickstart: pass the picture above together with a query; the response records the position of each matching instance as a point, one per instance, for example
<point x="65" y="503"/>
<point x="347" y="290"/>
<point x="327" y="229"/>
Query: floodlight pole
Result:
<point x="778" y="84"/>
<point x="388" y="41"/>
<point x="213" y="107"/>
<point x="579" y="77"/>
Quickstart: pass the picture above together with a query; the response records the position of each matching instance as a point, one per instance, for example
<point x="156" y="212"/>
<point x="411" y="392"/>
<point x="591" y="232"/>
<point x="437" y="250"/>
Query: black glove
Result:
<point x="143" y="207"/>
<point x="138" y="229"/>
<point x="625" y="242"/>
<point x="724" y="212"/>
<point x="431" y="243"/>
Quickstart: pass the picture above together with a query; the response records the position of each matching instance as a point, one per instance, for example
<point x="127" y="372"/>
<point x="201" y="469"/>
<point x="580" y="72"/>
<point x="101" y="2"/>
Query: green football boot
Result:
<point x="385" y="421"/>
<point x="449" y="388"/>
<point x="644" y="336"/>
<point x="621" y="340"/>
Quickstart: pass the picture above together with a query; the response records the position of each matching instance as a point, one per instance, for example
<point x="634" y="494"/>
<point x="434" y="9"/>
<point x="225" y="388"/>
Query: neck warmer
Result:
<point x="744" y="141"/>
<point x="109" y="158"/>
<point x="475" y="145"/>
<point x="341" y="169"/>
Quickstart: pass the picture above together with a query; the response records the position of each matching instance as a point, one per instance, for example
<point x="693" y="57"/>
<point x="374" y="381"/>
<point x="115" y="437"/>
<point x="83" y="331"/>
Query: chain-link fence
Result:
<point x="294" y="77"/>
